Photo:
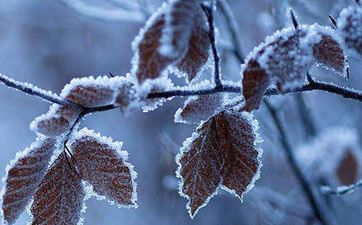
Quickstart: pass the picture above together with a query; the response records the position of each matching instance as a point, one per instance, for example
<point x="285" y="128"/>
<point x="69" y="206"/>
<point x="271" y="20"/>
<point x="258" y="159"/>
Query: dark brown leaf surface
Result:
<point x="102" y="165"/>
<point x="24" y="176"/>
<point x="59" y="199"/>
<point x="221" y="153"/>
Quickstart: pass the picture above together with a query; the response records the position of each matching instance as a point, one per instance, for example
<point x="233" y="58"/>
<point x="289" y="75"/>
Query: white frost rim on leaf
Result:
<point x="255" y="126"/>
<point x="115" y="145"/>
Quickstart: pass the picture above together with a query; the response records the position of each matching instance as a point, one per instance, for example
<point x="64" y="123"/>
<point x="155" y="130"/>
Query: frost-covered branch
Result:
<point x="30" y="89"/>
<point x="341" y="190"/>
<point x="114" y="14"/>
<point x="313" y="85"/>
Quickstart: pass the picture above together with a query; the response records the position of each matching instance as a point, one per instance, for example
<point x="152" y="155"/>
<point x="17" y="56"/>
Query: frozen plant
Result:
<point x="55" y="173"/>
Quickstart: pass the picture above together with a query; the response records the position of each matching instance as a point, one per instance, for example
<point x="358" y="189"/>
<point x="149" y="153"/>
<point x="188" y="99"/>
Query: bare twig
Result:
<point x="209" y="12"/>
<point x="230" y="22"/>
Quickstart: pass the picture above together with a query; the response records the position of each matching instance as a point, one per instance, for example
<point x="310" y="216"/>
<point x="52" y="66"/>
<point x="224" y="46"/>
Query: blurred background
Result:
<point x="48" y="43"/>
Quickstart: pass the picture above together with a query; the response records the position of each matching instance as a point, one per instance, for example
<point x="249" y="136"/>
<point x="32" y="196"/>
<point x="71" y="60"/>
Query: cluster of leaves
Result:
<point x="221" y="153"/>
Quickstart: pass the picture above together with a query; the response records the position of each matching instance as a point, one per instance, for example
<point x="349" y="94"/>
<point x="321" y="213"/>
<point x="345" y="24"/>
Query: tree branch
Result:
<point x="319" y="210"/>
<point x="209" y="12"/>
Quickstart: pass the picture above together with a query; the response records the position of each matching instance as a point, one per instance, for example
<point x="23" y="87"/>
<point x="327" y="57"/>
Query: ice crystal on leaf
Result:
<point x="154" y="86"/>
<point x="102" y="163"/>
<point x="199" y="108"/>
<point x="285" y="58"/>
<point x="59" y="199"/>
<point x="56" y="121"/>
<point x="349" y="24"/>
<point x="222" y="153"/>
<point x="174" y="36"/>
<point x="23" y="177"/>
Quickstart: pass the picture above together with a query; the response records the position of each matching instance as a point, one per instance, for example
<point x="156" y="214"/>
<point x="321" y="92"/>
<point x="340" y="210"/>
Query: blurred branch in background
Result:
<point x="130" y="11"/>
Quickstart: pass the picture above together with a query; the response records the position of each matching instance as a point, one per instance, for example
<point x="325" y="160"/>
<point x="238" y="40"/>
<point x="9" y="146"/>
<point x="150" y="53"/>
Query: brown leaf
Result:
<point x="285" y="58"/>
<point x="174" y="35"/>
<point x="102" y="164"/>
<point x="59" y="199"/>
<point x="347" y="170"/>
<point x="178" y="24"/>
<point x="149" y="63"/>
<point x="221" y="153"/>
<point x="255" y="82"/>
<point x="349" y="24"/>
<point x="24" y="176"/>
<point x="198" y="50"/>
<point x="90" y="92"/>
<point x="56" y="121"/>
<point x="199" y="108"/>
<point x="329" y="52"/>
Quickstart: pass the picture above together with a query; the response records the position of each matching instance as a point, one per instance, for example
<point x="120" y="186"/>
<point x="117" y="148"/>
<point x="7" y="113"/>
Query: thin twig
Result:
<point x="209" y="12"/>
<point x="319" y="210"/>
<point x="342" y="189"/>
<point x="33" y="90"/>
<point x="230" y="23"/>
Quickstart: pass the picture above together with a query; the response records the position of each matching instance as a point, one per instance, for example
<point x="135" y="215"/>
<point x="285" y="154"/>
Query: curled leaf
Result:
<point x="23" y="177"/>
<point x="101" y="162"/>
<point x="285" y="58"/>
<point x="221" y="153"/>
<point x="59" y="199"/>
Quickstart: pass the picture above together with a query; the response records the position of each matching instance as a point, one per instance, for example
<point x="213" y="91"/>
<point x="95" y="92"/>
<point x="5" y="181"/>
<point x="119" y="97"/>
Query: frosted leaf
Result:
<point x="89" y="91"/>
<point x="349" y="24"/>
<point x="199" y="108"/>
<point x="101" y="162"/>
<point x="198" y="50"/>
<point x="59" y="199"/>
<point x="255" y="82"/>
<point x="148" y="63"/>
<point x="167" y="42"/>
<point x="285" y="58"/>
<point x="221" y="153"/>
<point x="178" y="24"/>
<point x="342" y="148"/>
<point x="56" y="121"/>
<point x="154" y="86"/>
<point x="23" y="177"/>
<point x="126" y="96"/>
